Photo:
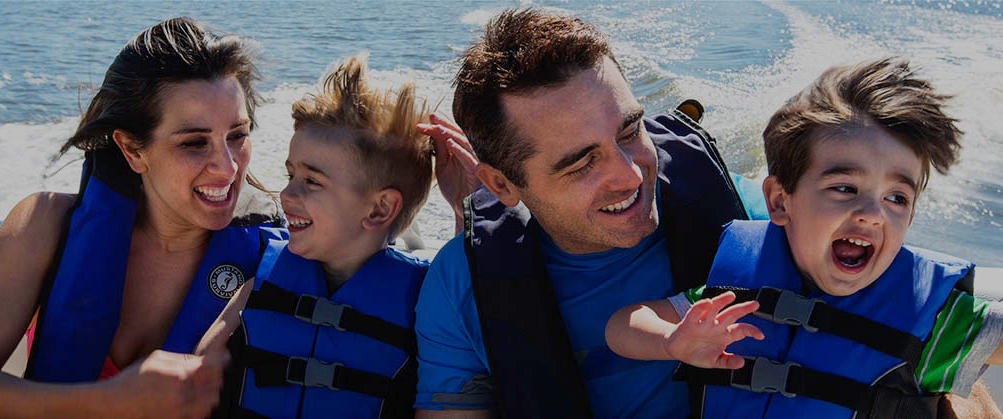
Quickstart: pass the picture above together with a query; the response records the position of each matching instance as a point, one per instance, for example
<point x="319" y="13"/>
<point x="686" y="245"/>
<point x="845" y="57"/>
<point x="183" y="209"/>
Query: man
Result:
<point x="616" y="207"/>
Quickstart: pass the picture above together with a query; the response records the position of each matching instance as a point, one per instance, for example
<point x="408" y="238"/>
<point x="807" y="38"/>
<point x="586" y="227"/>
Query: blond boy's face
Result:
<point x="322" y="202"/>
<point x="848" y="216"/>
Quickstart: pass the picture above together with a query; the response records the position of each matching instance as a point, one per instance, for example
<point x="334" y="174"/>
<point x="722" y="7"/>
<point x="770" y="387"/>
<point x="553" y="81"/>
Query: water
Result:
<point x="741" y="59"/>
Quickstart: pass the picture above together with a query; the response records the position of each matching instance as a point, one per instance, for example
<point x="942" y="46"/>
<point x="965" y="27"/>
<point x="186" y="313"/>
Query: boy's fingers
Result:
<point x="739" y="331"/>
<point x="723" y="300"/>
<point x="466" y="158"/>
<point x="700" y="310"/>
<point x="737" y="311"/>
<point x="730" y="361"/>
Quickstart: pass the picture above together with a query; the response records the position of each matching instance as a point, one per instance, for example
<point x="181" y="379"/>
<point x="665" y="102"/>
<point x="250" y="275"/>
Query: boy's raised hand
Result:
<point x="705" y="331"/>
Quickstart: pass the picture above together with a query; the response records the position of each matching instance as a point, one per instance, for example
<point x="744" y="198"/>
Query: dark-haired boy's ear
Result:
<point x="498" y="184"/>
<point x="130" y="149"/>
<point x="776" y="199"/>
<point x="386" y="206"/>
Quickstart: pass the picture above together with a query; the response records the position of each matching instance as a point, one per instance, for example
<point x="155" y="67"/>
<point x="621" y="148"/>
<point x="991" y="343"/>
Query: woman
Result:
<point x="131" y="271"/>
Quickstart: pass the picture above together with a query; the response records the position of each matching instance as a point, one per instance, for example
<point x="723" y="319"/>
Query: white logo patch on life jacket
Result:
<point x="224" y="280"/>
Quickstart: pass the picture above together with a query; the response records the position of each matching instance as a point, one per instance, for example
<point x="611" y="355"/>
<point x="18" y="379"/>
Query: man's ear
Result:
<point x="498" y="184"/>
<point x="130" y="148"/>
<point x="776" y="201"/>
<point x="387" y="204"/>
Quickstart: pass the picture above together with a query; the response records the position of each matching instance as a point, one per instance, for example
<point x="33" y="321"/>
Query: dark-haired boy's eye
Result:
<point x="238" y="136"/>
<point x="844" y="189"/>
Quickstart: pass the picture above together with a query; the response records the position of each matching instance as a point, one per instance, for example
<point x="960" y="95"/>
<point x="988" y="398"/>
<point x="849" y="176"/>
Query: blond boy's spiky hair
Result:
<point x="390" y="150"/>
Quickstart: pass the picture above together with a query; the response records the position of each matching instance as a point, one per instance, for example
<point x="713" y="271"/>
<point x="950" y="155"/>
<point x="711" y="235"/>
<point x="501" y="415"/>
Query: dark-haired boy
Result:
<point x="849" y="321"/>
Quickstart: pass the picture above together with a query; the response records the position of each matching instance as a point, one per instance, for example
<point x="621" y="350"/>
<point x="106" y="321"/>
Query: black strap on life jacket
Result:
<point x="533" y="370"/>
<point x="812" y="314"/>
<point x="274" y="369"/>
<point x="886" y="399"/>
<point x="323" y="312"/>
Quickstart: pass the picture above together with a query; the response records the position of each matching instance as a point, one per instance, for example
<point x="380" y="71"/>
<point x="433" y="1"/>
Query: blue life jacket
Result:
<point x="849" y="356"/>
<point x="533" y="369"/>
<point x="299" y="353"/>
<point x="82" y="295"/>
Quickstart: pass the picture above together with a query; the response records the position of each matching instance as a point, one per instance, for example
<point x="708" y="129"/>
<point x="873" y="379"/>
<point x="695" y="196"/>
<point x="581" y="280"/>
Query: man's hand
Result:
<point x="705" y="331"/>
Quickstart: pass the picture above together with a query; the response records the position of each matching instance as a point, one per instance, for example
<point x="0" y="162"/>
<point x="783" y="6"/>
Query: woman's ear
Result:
<point x="130" y="149"/>
<point x="776" y="200"/>
<point x="387" y="204"/>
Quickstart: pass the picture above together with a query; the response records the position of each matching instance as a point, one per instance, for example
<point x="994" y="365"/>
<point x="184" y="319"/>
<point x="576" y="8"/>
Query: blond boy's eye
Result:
<point x="844" y="189"/>
<point x="898" y="199"/>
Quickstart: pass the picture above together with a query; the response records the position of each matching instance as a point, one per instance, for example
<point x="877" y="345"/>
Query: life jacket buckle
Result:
<point x="791" y="309"/>
<point x="316" y="373"/>
<point x="768" y="376"/>
<point x="323" y="313"/>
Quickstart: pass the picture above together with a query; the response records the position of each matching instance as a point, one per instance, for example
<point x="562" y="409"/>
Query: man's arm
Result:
<point x="452" y="364"/>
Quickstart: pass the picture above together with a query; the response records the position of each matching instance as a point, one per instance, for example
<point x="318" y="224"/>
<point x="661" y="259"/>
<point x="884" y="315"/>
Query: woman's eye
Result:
<point x="194" y="143"/>
<point x="240" y="136"/>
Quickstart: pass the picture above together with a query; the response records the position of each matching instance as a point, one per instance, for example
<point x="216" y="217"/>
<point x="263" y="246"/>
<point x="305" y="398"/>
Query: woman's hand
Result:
<point x="168" y="384"/>
<point x="454" y="163"/>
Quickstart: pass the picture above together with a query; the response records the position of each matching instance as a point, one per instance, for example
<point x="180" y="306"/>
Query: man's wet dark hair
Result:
<point x="173" y="51"/>
<point x="521" y="50"/>
<point x="886" y="91"/>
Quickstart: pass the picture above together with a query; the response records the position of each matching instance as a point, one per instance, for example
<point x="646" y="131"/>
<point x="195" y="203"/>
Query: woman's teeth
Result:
<point x="620" y="206"/>
<point x="213" y="194"/>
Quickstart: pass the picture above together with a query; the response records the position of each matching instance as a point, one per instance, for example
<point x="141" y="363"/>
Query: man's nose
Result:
<point x="624" y="172"/>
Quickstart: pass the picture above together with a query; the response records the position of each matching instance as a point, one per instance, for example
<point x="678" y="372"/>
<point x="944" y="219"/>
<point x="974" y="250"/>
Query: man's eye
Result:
<point x="584" y="169"/>
<point x="632" y="135"/>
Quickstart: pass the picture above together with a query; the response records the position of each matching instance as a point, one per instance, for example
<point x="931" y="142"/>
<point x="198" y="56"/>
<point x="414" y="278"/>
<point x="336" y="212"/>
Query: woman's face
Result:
<point x="194" y="164"/>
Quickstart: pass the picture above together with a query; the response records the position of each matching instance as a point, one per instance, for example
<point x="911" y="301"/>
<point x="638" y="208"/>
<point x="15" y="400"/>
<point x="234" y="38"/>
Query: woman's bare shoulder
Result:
<point x="36" y="220"/>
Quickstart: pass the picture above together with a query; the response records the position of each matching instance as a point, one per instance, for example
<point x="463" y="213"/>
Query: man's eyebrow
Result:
<point x="572" y="157"/>
<point x="631" y="117"/>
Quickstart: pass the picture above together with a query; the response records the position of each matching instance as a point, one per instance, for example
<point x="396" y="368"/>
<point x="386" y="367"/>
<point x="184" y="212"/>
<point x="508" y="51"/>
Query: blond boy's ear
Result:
<point x="498" y="184"/>
<point x="130" y="149"/>
<point x="387" y="204"/>
<point x="776" y="199"/>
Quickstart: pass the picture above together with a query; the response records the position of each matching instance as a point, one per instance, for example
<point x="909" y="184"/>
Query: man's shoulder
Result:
<point x="449" y="269"/>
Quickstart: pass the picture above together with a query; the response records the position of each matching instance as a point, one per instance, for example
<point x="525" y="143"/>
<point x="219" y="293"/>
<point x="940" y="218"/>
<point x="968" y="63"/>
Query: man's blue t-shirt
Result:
<point x="453" y="366"/>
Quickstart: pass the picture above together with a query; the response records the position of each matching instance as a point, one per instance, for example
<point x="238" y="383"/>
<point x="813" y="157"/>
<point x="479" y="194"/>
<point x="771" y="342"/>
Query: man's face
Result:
<point x="591" y="182"/>
<point x="847" y="218"/>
